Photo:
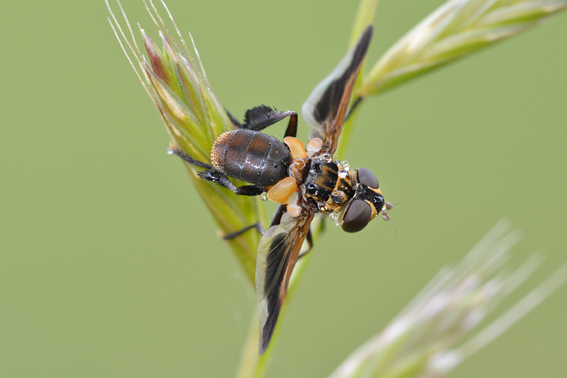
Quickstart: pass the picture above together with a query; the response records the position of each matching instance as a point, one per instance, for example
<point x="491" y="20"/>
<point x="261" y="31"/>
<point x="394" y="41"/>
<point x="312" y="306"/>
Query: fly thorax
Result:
<point x="321" y="179"/>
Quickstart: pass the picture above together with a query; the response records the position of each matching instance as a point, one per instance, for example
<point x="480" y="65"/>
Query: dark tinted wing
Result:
<point x="277" y="254"/>
<point x="326" y="107"/>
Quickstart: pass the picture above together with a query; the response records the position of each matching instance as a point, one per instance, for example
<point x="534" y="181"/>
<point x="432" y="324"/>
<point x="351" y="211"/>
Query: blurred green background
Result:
<point x="111" y="265"/>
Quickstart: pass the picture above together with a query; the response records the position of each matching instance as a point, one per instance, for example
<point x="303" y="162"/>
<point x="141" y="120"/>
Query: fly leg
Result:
<point x="262" y="116"/>
<point x="221" y="179"/>
<point x="236" y="123"/>
<point x="291" y="126"/>
<point x="218" y="177"/>
<point x="309" y="239"/>
<point x="278" y="215"/>
<point x="257" y="226"/>
<point x="187" y="158"/>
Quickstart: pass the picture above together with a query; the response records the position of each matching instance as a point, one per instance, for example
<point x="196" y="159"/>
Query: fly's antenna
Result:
<point x="395" y="228"/>
<point x="386" y="216"/>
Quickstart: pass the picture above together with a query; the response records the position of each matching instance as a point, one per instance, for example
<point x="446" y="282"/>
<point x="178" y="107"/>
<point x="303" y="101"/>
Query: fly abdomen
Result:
<point x="250" y="156"/>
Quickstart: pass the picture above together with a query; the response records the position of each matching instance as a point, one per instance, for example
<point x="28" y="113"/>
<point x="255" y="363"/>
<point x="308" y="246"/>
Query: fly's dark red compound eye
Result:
<point x="356" y="216"/>
<point x="366" y="177"/>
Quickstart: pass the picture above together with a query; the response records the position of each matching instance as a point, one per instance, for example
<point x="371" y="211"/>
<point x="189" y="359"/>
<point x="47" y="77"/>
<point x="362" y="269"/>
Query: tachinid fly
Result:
<point x="303" y="180"/>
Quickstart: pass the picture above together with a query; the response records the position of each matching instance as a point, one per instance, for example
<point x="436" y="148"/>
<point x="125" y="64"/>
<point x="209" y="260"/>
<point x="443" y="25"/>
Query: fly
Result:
<point x="304" y="180"/>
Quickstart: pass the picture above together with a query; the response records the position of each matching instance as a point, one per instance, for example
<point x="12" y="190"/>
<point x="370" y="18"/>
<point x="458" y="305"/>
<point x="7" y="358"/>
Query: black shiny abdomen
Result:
<point x="251" y="156"/>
